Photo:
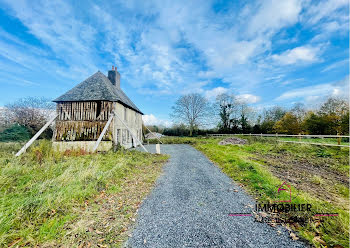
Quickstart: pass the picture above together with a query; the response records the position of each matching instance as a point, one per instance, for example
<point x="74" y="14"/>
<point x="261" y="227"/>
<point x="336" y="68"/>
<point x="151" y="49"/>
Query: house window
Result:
<point x="119" y="139"/>
<point x="98" y="108"/>
<point x="125" y="114"/>
<point x="124" y="136"/>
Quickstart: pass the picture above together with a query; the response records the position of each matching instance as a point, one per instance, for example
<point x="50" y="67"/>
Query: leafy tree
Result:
<point x="270" y="117"/>
<point x="315" y="124"/>
<point x="176" y="130"/>
<point x="335" y="112"/>
<point x="344" y="123"/>
<point x="289" y="124"/>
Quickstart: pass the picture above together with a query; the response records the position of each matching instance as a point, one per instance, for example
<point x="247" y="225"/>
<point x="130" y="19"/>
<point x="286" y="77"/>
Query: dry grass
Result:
<point x="46" y="198"/>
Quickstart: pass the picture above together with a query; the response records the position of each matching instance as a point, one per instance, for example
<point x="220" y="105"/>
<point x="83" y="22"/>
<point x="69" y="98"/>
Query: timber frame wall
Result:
<point x="80" y="121"/>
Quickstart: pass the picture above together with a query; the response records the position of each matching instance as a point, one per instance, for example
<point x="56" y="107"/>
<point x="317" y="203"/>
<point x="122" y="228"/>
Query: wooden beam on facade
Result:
<point x="131" y="133"/>
<point x="28" y="144"/>
<point x="103" y="132"/>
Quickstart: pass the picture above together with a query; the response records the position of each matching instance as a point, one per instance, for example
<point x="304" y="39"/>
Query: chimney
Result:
<point x="114" y="77"/>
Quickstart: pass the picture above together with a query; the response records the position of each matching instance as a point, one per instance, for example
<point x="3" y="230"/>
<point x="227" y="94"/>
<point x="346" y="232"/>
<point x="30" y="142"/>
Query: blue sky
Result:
<point x="265" y="52"/>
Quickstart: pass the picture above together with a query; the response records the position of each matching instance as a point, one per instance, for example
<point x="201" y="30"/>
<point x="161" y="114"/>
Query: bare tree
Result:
<point x="299" y="111"/>
<point x="31" y="112"/>
<point x="192" y="109"/>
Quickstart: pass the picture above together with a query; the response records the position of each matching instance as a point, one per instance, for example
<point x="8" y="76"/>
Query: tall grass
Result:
<point x="40" y="190"/>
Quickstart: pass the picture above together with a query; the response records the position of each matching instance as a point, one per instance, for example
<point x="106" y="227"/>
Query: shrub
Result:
<point x="15" y="133"/>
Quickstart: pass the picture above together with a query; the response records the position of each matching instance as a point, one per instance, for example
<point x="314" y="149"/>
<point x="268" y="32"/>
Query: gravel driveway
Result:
<point x="190" y="207"/>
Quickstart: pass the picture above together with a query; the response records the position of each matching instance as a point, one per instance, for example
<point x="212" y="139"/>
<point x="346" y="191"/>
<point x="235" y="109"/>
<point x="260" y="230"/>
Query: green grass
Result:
<point x="43" y="191"/>
<point x="255" y="175"/>
<point x="250" y="166"/>
<point x="344" y="141"/>
<point x="177" y="140"/>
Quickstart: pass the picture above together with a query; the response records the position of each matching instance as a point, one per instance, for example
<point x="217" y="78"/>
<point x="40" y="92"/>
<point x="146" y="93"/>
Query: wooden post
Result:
<point x="24" y="148"/>
<point x="103" y="132"/>
<point x="339" y="139"/>
<point x="131" y="133"/>
<point x="157" y="148"/>
<point x="299" y="137"/>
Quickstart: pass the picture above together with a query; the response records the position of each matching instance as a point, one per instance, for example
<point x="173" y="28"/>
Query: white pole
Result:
<point x="103" y="132"/>
<point x="131" y="132"/>
<point x="24" y="148"/>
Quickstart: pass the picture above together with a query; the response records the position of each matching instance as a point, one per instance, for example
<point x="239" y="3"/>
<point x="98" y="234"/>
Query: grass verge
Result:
<point x="51" y="199"/>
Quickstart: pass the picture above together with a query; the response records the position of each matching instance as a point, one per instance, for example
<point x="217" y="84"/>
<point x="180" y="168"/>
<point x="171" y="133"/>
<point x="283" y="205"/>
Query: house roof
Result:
<point x="97" y="88"/>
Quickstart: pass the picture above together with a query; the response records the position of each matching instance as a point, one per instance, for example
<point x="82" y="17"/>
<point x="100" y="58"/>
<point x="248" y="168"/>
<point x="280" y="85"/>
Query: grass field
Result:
<point x="344" y="141"/>
<point x="318" y="174"/>
<point x="72" y="199"/>
<point x="325" y="140"/>
<point x="77" y="199"/>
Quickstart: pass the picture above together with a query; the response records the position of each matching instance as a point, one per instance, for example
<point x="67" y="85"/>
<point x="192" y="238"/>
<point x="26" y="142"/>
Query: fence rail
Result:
<point x="285" y="135"/>
<point x="300" y="136"/>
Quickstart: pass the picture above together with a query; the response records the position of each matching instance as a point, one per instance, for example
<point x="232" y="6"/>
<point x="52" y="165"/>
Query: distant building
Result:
<point x="153" y="135"/>
<point x="84" y="111"/>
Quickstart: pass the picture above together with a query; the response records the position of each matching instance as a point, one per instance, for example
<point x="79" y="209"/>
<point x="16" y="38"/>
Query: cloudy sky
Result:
<point x="265" y="52"/>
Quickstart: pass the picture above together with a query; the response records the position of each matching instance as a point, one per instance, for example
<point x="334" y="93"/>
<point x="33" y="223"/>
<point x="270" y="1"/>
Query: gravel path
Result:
<point x="190" y="204"/>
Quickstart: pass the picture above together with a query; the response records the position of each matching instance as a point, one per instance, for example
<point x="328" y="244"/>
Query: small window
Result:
<point x="124" y="136"/>
<point x="98" y="108"/>
<point x="125" y="114"/>
<point x="119" y="139"/>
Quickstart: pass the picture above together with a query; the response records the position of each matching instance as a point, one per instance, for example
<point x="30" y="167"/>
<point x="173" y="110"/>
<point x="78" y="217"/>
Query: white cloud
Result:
<point x="274" y="14"/>
<point x="309" y="93"/>
<point x="55" y="24"/>
<point x="248" y="98"/>
<point x="336" y="65"/>
<point x="170" y="48"/>
<point x="213" y="93"/>
<point x="302" y="54"/>
<point x="326" y="9"/>
<point x="150" y="120"/>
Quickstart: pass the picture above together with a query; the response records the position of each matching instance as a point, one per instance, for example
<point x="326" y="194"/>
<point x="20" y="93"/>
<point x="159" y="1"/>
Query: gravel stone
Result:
<point x="190" y="207"/>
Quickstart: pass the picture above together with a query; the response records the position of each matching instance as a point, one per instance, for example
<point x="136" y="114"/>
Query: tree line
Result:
<point x="192" y="113"/>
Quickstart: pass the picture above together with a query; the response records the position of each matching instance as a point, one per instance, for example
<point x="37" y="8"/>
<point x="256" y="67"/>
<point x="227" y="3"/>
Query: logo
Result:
<point x="284" y="188"/>
<point x="282" y="209"/>
<point x="284" y="202"/>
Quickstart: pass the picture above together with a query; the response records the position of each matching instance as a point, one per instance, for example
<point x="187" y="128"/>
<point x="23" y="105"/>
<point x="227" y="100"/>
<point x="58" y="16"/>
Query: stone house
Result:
<point x="84" y="111"/>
